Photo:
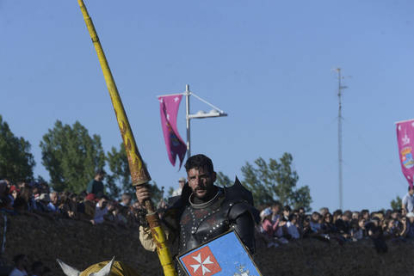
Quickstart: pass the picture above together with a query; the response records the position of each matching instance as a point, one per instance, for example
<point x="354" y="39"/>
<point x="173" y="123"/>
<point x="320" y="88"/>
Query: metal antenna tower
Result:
<point x="340" y="160"/>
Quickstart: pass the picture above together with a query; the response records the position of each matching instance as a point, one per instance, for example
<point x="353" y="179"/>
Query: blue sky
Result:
<point x="268" y="64"/>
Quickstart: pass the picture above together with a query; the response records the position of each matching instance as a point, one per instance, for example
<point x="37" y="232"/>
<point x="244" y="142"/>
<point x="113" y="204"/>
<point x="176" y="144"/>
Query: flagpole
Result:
<point x="187" y="117"/>
<point x="216" y="112"/>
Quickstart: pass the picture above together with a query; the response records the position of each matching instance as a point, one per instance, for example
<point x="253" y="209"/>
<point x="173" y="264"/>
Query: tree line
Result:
<point x="71" y="156"/>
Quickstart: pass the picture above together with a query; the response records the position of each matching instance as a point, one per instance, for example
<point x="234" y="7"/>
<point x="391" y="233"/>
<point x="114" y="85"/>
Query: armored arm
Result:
<point x="242" y="220"/>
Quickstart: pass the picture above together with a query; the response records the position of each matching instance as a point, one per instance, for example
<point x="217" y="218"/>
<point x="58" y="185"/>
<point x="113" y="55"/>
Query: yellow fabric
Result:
<point x="118" y="269"/>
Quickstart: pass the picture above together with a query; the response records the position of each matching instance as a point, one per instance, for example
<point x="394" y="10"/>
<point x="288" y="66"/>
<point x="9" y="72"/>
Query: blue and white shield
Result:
<point x="223" y="256"/>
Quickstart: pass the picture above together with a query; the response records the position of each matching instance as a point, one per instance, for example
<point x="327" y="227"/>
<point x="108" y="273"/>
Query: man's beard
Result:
<point x="209" y="193"/>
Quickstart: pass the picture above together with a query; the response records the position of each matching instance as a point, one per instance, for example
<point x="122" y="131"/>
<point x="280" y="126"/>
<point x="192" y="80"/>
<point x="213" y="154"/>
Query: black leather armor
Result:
<point x="199" y="223"/>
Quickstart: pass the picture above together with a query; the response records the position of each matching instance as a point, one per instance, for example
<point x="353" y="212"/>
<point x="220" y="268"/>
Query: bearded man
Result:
<point x="204" y="211"/>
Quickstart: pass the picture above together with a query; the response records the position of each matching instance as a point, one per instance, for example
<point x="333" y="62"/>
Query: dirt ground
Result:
<point x="81" y="244"/>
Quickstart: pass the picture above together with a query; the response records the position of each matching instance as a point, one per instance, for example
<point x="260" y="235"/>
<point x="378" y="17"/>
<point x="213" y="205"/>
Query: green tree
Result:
<point x="275" y="180"/>
<point x="119" y="178"/>
<point x="16" y="161"/>
<point x="156" y="193"/>
<point x="71" y="156"/>
<point x="396" y="203"/>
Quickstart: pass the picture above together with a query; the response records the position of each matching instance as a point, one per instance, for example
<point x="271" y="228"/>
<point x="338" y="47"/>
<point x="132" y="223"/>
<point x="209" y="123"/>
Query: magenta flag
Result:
<point x="405" y="136"/>
<point x="169" y="106"/>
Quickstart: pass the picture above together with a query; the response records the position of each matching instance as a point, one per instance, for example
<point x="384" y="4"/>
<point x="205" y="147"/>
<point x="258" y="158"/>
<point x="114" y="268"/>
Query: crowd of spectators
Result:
<point x="281" y="225"/>
<point x="37" y="199"/>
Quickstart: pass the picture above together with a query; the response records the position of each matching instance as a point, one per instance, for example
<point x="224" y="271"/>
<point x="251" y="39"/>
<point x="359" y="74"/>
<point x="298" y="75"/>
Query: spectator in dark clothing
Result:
<point x="86" y="209"/>
<point x="327" y="224"/>
<point x="53" y="205"/>
<point x="355" y="231"/>
<point x="96" y="186"/>
<point x="286" y="213"/>
<point x="13" y="193"/>
<point x="68" y="207"/>
<point x="409" y="231"/>
<point x="365" y="214"/>
<point x="126" y="200"/>
<point x="42" y="202"/>
<point x="27" y="196"/>
<point x="375" y="233"/>
<point x="342" y="228"/>
<point x="21" y="184"/>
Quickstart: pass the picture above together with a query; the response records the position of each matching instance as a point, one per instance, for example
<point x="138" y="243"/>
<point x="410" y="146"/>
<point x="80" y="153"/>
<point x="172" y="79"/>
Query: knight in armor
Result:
<point x="204" y="211"/>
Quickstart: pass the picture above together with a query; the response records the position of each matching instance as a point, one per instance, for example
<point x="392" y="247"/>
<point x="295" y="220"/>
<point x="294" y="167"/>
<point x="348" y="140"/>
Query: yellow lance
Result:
<point x="139" y="173"/>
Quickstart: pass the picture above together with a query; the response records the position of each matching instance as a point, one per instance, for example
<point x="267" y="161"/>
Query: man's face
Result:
<point x="201" y="181"/>
<point x="53" y="198"/>
<point x="136" y="205"/>
<point x="126" y="200"/>
<point x="100" y="176"/>
<point x="103" y="202"/>
<point x="110" y="206"/>
<point x="411" y="191"/>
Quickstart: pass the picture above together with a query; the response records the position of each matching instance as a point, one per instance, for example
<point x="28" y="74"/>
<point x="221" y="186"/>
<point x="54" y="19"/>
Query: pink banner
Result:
<point x="169" y="106"/>
<point x="405" y="136"/>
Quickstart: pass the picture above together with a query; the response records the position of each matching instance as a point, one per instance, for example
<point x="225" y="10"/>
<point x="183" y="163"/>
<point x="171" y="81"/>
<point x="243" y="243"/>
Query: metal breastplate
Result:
<point x="200" y="223"/>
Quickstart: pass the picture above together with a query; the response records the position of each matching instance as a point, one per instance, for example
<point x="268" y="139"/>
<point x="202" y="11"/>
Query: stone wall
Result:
<point x="81" y="244"/>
